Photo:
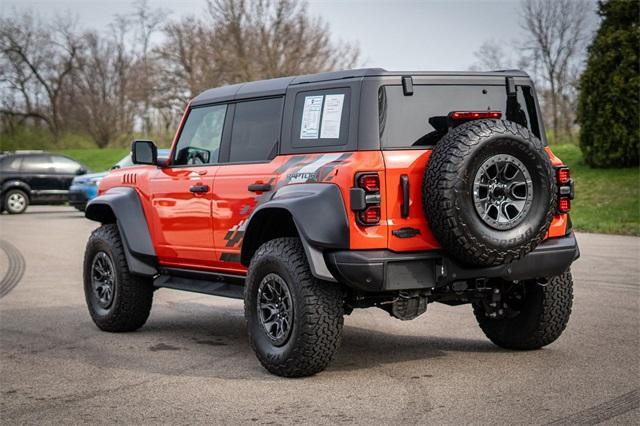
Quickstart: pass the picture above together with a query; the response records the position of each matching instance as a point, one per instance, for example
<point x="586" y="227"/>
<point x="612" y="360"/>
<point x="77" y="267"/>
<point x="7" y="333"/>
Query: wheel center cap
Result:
<point x="499" y="191"/>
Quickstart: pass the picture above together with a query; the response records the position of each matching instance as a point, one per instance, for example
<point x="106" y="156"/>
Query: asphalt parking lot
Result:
<point x="192" y="362"/>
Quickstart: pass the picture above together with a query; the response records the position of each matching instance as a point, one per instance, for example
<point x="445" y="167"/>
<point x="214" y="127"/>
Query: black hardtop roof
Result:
<point x="278" y="86"/>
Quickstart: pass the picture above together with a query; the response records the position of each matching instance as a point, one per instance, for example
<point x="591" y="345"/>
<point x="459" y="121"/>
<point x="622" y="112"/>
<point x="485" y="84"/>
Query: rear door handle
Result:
<point x="197" y="189"/>
<point x="404" y="184"/>
<point x="259" y="187"/>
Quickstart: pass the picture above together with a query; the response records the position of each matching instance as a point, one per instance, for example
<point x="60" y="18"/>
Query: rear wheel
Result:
<point x="117" y="300"/>
<point x="294" y="320"/>
<point x="531" y="314"/>
<point x="15" y="201"/>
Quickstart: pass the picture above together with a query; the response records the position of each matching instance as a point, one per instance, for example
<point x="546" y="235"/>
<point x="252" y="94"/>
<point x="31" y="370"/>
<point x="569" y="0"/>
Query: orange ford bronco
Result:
<point x="314" y="195"/>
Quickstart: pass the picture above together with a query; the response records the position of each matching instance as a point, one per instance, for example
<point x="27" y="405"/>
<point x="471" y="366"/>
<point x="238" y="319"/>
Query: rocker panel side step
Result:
<point x="223" y="285"/>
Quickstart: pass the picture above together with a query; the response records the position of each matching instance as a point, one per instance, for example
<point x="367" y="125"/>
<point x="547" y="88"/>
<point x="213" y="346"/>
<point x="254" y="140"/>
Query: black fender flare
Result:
<point x="121" y="205"/>
<point x="16" y="184"/>
<point x="319" y="214"/>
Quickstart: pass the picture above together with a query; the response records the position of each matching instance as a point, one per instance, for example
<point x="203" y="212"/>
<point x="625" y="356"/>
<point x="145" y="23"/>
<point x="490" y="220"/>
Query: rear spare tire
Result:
<point x="489" y="192"/>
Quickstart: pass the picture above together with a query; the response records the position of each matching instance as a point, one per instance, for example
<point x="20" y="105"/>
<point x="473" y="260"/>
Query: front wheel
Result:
<point x="532" y="313"/>
<point x="117" y="300"/>
<point x="294" y="320"/>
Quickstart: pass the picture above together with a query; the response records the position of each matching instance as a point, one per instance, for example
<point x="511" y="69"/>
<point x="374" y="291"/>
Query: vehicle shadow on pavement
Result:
<point x="364" y="348"/>
<point x="196" y="339"/>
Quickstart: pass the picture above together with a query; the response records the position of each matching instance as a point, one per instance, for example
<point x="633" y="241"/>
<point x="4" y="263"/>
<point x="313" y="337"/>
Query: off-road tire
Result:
<point x="543" y="319"/>
<point x="318" y="309"/>
<point x="448" y="192"/>
<point x="7" y="206"/>
<point x="133" y="295"/>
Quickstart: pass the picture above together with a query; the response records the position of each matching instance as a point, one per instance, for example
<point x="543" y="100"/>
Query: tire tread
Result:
<point x="556" y="304"/>
<point x="322" y="312"/>
<point x="133" y="304"/>
<point x="440" y="201"/>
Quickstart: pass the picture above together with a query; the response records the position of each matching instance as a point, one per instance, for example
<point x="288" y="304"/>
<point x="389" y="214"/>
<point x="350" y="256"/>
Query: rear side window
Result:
<point x="420" y="120"/>
<point x="65" y="165"/>
<point x="256" y="130"/>
<point x="37" y="164"/>
<point x="321" y="118"/>
<point x="199" y="141"/>
<point x="10" y="164"/>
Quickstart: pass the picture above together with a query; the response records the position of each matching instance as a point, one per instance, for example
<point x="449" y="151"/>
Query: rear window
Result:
<point x="420" y="120"/>
<point x="256" y="130"/>
<point x="321" y="118"/>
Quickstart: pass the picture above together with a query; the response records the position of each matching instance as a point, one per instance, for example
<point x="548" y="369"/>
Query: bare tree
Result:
<point x="491" y="55"/>
<point x="109" y="84"/>
<point x="102" y="81"/>
<point x="37" y="63"/>
<point x="243" y="40"/>
<point x="257" y="39"/>
<point x="188" y="60"/>
<point x="147" y="21"/>
<point x="557" y="33"/>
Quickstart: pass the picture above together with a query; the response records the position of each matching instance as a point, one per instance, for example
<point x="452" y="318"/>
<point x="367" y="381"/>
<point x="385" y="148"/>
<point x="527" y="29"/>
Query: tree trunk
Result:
<point x="554" y="110"/>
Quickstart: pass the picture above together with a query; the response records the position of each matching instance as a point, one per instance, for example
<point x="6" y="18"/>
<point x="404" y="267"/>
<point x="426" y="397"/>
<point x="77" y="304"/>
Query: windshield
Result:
<point x="125" y="162"/>
<point x="420" y="120"/>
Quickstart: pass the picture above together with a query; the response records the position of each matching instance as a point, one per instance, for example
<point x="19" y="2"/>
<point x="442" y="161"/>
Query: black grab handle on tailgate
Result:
<point x="404" y="184"/>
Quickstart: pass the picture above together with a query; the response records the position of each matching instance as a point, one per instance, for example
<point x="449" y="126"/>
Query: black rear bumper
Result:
<point x="384" y="270"/>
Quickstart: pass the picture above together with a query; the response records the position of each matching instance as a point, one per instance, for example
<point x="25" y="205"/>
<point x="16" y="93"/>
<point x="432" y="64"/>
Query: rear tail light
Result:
<point x="370" y="215"/>
<point x="474" y="115"/>
<point x="365" y="198"/>
<point x="564" y="175"/>
<point x="565" y="189"/>
<point x="369" y="182"/>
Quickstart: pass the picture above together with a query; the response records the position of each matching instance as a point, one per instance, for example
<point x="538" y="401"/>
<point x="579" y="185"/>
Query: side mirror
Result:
<point x="163" y="161"/>
<point x="81" y="171"/>
<point x="144" y="152"/>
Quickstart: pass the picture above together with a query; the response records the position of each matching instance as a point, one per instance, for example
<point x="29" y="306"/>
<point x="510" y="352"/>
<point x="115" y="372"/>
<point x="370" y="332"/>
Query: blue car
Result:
<point x="85" y="187"/>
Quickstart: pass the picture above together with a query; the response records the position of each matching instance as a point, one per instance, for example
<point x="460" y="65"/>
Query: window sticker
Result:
<point x="331" y="116"/>
<point x="311" y="117"/>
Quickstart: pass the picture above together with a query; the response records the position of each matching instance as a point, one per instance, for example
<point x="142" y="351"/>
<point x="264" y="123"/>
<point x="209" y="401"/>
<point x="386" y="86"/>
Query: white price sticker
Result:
<point x="311" y="117"/>
<point x="331" y="116"/>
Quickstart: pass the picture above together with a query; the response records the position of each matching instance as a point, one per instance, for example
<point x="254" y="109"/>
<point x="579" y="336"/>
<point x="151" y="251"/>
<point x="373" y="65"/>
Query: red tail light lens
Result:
<point x="474" y="115"/>
<point x="370" y="215"/>
<point x="368" y="198"/>
<point x="370" y="183"/>
<point x="564" y="205"/>
<point x="564" y="175"/>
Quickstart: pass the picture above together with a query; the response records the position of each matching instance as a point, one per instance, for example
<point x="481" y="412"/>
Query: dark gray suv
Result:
<point x="35" y="178"/>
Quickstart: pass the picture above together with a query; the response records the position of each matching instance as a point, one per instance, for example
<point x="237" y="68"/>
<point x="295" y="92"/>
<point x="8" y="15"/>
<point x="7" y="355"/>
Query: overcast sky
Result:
<point x="392" y="34"/>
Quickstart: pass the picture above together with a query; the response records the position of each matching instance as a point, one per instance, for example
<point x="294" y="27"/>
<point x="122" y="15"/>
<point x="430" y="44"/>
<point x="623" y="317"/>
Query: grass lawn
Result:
<point x="607" y="200"/>
<point x="97" y="160"/>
